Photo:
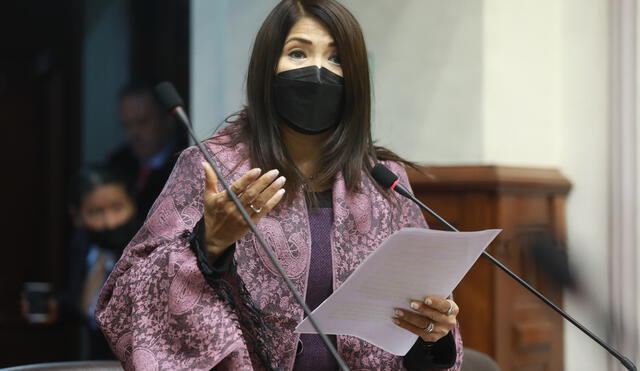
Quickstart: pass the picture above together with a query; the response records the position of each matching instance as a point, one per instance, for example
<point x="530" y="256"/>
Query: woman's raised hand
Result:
<point x="431" y="318"/>
<point x="223" y="222"/>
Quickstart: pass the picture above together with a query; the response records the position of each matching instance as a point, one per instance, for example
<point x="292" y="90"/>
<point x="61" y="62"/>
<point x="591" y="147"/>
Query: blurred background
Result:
<point x="531" y="104"/>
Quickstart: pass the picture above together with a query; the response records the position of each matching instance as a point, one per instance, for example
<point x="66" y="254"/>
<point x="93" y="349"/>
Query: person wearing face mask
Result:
<point x="194" y="290"/>
<point x="105" y="217"/>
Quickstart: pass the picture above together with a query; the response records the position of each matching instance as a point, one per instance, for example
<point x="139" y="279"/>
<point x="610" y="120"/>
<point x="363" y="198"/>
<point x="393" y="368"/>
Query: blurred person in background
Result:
<point x="104" y="214"/>
<point x="152" y="143"/>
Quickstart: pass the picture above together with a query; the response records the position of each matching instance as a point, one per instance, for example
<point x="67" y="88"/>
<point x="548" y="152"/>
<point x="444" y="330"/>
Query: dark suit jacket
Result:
<point x="69" y="298"/>
<point x="124" y="160"/>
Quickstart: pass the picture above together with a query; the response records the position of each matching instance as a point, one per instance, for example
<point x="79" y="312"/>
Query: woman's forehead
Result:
<point x="310" y="29"/>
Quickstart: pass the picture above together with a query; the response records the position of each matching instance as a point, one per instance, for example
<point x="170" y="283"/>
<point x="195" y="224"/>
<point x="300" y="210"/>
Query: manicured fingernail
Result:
<point x="280" y="191"/>
<point x="202" y="163"/>
<point x="415" y="305"/>
<point x="280" y="181"/>
<point x="255" y="171"/>
<point x="428" y="301"/>
<point x="272" y="173"/>
<point x="398" y="313"/>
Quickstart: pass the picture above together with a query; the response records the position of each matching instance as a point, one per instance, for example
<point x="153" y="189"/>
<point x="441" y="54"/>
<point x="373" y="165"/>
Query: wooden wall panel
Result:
<point x="499" y="317"/>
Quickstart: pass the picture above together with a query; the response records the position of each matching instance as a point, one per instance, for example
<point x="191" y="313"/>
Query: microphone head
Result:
<point x="554" y="262"/>
<point x="383" y="176"/>
<point x="168" y="95"/>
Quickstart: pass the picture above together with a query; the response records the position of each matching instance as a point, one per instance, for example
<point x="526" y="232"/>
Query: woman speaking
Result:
<point x="194" y="290"/>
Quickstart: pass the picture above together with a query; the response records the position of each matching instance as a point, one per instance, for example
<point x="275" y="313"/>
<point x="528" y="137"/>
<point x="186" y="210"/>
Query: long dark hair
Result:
<point x="349" y="148"/>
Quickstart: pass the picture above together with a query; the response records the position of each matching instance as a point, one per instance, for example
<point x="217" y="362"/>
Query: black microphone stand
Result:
<point x="624" y="360"/>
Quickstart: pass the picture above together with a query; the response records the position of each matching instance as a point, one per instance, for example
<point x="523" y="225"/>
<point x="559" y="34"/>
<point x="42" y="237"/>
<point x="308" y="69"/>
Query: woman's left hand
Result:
<point x="431" y="319"/>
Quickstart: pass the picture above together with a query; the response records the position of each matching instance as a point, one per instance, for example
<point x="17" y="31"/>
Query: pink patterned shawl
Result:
<point x="158" y="312"/>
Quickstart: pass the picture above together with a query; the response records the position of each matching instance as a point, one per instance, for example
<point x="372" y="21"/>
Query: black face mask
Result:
<point x="309" y="99"/>
<point x="115" y="239"/>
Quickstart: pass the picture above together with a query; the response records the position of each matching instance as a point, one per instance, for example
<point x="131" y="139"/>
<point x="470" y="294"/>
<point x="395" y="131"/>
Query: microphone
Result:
<point x="170" y="99"/>
<point x="388" y="180"/>
<point x="172" y="102"/>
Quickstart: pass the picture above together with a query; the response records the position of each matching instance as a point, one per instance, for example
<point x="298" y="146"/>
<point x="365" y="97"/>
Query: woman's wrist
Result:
<point x="213" y="246"/>
<point x="214" y="251"/>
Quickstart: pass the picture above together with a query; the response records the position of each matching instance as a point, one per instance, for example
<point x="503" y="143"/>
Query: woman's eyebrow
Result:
<point x="299" y="39"/>
<point x="305" y="41"/>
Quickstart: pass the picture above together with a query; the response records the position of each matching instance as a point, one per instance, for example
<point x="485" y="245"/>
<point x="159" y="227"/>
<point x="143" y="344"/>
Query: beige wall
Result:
<point x="427" y="71"/>
<point x="585" y="156"/>
<point x="522" y="90"/>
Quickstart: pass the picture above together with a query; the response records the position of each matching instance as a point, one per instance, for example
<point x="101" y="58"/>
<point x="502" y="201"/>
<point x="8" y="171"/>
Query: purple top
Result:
<point x="313" y="353"/>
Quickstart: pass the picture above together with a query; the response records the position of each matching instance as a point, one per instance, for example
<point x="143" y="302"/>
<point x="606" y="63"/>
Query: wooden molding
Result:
<point x="501" y="179"/>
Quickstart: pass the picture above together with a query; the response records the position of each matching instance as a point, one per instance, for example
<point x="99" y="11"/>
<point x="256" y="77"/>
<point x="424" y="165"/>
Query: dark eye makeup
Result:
<point x="297" y="54"/>
<point x="335" y="59"/>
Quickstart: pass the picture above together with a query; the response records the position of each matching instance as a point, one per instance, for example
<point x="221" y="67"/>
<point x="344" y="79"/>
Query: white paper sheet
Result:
<point x="409" y="264"/>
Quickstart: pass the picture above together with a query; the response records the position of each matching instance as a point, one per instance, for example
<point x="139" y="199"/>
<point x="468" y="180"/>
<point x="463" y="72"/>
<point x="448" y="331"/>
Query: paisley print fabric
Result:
<point x="158" y="313"/>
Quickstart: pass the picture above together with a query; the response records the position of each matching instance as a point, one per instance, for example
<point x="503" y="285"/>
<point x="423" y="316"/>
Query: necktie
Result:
<point x="143" y="176"/>
<point x="93" y="283"/>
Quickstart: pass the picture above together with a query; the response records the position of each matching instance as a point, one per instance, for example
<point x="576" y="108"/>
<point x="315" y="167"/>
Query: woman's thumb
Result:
<point x="211" y="180"/>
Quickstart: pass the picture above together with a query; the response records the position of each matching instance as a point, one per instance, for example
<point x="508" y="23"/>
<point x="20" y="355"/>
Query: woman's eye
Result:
<point x="297" y="54"/>
<point x="335" y="59"/>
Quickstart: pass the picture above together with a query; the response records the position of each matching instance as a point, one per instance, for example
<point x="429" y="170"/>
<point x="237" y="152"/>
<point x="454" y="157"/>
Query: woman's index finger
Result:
<point x="245" y="180"/>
